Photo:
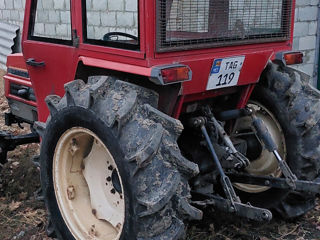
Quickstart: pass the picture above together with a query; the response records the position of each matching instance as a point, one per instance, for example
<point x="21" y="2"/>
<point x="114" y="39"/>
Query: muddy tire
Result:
<point x="296" y="106"/>
<point x="151" y="174"/>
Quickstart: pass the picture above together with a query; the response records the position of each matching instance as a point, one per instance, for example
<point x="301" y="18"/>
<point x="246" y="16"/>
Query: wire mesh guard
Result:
<point x="184" y="24"/>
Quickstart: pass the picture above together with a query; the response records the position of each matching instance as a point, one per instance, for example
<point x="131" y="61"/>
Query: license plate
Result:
<point x="225" y="72"/>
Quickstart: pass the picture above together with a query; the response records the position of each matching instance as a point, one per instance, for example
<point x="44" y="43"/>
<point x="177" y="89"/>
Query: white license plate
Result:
<point x="225" y="72"/>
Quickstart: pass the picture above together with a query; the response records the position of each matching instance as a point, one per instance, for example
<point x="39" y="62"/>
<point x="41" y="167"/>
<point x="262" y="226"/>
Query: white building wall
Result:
<point x="306" y="34"/>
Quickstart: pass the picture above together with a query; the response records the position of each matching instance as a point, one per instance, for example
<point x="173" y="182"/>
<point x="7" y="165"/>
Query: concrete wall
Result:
<point x="121" y="17"/>
<point x="122" y="13"/>
<point x="306" y="35"/>
<point x="262" y="14"/>
<point x="12" y="11"/>
<point x="185" y="16"/>
<point x="53" y="19"/>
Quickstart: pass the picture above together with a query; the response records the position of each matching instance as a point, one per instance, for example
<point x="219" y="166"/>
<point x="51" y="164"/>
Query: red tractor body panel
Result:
<point x="17" y="74"/>
<point x="61" y="61"/>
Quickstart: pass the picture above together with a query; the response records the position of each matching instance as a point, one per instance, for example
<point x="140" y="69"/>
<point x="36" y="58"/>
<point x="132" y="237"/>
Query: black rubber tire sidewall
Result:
<point x="58" y="124"/>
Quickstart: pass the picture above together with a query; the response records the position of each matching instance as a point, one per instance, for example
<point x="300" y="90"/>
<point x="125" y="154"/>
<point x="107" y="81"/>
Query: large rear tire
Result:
<point x="296" y="106"/>
<point x="110" y="164"/>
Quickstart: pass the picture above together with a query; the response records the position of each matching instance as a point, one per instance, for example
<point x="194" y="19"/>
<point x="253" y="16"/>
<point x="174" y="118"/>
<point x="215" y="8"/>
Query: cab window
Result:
<point x="111" y="23"/>
<point x="50" y="21"/>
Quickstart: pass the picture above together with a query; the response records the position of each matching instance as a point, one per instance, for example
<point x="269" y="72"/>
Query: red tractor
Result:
<point x="151" y="111"/>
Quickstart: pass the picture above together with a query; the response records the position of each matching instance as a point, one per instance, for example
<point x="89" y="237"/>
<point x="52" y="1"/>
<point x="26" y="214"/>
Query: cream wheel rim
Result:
<point x="266" y="164"/>
<point x="87" y="186"/>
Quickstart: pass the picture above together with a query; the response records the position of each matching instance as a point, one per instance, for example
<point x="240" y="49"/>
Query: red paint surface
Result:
<point x="16" y="60"/>
<point x="61" y="61"/>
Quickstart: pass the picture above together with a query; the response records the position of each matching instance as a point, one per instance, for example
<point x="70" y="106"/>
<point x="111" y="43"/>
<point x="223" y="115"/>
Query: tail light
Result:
<point x="176" y="74"/>
<point x="164" y="75"/>
<point x="290" y="58"/>
<point x="293" y="58"/>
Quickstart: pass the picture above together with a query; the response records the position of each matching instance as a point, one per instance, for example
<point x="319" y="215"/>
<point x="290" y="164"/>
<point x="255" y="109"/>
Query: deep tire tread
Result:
<point x="40" y="128"/>
<point x="53" y="103"/>
<point x="300" y="102"/>
<point x="145" y="135"/>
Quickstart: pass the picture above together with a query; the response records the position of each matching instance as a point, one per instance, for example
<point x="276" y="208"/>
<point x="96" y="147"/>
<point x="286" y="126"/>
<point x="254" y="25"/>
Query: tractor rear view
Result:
<point x="150" y="113"/>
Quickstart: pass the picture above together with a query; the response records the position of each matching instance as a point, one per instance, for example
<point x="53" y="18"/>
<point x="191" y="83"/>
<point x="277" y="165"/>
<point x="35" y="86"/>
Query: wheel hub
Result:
<point x="262" y="162"/>
<point x="88" y="188"/>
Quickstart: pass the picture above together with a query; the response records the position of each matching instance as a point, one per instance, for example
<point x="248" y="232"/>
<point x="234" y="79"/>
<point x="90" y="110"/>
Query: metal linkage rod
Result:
<point x="265" y="137"/>
<point x="243" y="161"/>
<point x="225" y="181"/>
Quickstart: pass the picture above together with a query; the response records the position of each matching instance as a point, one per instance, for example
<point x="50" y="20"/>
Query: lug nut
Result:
<point x="109" y="179"/>
<point x="73" y="147"/>
<point x="93" y="232"/>
<point x="71" y="192"/>
<point x="113" y="191"/>
<point x="110" y="168"/>
<point x="118" y="226"/>
<point x="94" y="212"/>
<point x="82" y="166"/>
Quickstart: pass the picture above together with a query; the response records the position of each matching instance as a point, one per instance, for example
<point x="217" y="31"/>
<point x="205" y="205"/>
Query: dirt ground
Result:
<point x="23" y="217"/>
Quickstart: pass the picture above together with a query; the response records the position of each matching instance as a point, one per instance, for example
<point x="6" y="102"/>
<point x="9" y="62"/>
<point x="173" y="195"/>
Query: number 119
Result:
<point x="225" y="79"/>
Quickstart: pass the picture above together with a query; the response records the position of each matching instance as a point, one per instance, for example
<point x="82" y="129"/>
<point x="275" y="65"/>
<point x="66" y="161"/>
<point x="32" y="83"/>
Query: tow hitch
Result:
<point x="289" y="181"/>
<point x="8" y="142"/>
<point x="300" y="186"/>
<point x="232" y="202"/>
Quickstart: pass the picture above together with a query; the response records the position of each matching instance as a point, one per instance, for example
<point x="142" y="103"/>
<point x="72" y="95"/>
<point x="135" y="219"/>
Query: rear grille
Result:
<point x="188" y="24"/>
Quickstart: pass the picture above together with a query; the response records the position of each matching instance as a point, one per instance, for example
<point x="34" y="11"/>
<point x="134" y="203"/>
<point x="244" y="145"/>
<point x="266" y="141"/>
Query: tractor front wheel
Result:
<point x="110" y="164"/>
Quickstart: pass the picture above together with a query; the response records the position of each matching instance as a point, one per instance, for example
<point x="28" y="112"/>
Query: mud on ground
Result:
<point x="23" y="217"/>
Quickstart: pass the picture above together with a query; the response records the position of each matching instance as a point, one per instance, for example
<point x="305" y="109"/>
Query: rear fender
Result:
<point x="168" y="94"/>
